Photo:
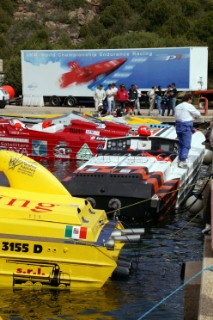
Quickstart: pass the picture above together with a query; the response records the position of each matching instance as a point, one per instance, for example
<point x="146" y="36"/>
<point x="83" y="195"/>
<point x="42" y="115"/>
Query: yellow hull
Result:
<point x="44" y="262"/>
<point x="49" y="238"/>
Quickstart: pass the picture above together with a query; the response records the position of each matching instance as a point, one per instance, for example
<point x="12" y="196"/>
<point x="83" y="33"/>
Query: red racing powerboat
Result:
<point x="58" y="138"/>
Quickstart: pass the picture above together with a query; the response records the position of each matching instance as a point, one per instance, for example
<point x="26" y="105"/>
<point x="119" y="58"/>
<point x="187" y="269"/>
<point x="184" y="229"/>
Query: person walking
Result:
<point x="185" y="113"/>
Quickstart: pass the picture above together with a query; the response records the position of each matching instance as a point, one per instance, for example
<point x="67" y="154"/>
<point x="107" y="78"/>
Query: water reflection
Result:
<point x="157" y="266"/>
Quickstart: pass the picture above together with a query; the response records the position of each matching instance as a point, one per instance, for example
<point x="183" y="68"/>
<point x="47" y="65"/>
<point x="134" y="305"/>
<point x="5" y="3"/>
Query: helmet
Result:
<point x="144" y="131"/>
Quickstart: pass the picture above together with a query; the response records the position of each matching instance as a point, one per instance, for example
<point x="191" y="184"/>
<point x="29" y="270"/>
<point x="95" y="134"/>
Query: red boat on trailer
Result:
<point x="58" y="138"/>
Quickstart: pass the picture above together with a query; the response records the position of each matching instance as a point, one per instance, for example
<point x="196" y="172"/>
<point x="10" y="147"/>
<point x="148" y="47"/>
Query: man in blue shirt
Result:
<point x="185" y="113"/>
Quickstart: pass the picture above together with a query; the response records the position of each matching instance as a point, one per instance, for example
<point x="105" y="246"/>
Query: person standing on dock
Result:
<point x="99" y="96"/>
<point x="151" y="95"/>
<point x="173" y="97"/>
<point x="159" y="94"/>
<point x="185" y="113"/>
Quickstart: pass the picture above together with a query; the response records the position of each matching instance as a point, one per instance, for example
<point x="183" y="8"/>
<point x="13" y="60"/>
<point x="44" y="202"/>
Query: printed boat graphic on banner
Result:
<point x="79" y="75"/>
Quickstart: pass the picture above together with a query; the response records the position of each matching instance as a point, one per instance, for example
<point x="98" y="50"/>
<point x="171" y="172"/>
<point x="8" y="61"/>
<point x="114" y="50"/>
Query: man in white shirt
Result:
<point x="151" y="95"/>
<point x="110" y="99"/>
<point x="185" y="113"/>
<point x="99" y="96"/>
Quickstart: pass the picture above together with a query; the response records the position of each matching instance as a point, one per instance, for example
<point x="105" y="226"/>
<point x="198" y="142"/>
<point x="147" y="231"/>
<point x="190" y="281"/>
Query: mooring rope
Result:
<point x="210" y="268"/>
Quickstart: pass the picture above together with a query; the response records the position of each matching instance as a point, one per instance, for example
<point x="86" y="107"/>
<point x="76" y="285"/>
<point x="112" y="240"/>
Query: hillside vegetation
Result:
<point x="92" y="24"/>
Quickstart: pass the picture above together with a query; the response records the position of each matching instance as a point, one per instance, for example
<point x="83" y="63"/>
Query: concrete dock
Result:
<point x="25" y="110"/>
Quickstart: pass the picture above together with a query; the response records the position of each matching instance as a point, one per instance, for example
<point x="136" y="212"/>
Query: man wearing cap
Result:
<point x="185" y="113"/>
<point x="99" y="96"/>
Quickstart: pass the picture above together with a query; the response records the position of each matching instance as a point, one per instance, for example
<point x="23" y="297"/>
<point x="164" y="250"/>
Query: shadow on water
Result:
<point x="157" y="263"/>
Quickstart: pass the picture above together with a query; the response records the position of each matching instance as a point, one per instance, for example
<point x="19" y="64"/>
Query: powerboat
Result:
<point x="68" y="137"/>
<point x="126" y="119"/>
<point x="138" y="177"/>
<point x="48" y="237"/>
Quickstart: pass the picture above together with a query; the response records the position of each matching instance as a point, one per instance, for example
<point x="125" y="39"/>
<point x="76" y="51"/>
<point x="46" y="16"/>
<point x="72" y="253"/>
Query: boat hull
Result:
<point x="44" y="263"/>
<point x="58" y="138"/>
<point x="50" y="238"/>
<point x="136" y="183"/>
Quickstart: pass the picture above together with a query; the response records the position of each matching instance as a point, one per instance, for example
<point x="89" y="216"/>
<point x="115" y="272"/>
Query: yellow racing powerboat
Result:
<point x="49" y="238"/>
<point x="127" y="119"/>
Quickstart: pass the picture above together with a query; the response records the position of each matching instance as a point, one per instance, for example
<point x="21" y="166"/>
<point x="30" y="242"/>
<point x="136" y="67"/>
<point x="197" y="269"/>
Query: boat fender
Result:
<point x="121" y="271"/>
<point x="124" y="263"/>
<point x="92" y="201"/>
<point x="208" y="157"/>
<point x="114" y="204"/>
<point x="195" y="203"/>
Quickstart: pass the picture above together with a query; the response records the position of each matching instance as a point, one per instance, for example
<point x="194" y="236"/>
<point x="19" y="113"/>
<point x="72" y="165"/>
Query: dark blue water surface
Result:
<point x="157" y="266"/>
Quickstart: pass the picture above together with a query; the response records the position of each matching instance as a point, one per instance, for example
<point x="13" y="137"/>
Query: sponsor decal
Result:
<point x="37" y="272"/>
<point x="101" y="126"/>
<point x="84" y="153"/>
<point x="14" y="140"/>
<point x="23" y="167"/>
<point x="96" y="133"/>
<point x="39" y="148"/>
<point x="75" y="232"/>
<point x="101" y="138"/>
<point x="30" y="205"/>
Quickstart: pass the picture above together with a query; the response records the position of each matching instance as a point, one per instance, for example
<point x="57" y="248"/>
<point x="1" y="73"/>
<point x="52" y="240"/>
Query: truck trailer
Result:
<point x="70" y="77"/>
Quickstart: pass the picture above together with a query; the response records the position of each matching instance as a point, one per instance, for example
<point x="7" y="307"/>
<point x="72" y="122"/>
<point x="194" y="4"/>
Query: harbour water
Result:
<point x="157" y="272"/>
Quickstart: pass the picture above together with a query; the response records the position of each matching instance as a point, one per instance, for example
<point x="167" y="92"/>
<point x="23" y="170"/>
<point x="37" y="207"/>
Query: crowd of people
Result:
<point x="117" y="101"/>
<point x="120" y="101"/>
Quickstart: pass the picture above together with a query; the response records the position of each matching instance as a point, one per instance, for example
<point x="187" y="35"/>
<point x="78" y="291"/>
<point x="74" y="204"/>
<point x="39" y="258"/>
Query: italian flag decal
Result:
<point x="75" y="232"/>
